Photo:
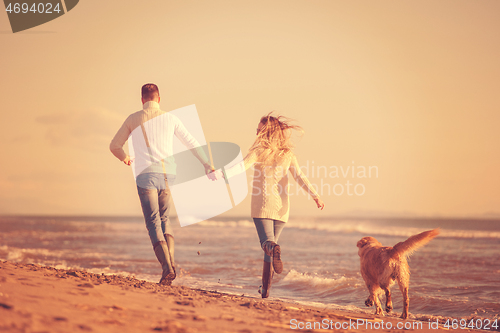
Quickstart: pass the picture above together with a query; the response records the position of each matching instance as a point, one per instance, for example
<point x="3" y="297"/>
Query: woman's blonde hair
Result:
<point x="273" y="143"/>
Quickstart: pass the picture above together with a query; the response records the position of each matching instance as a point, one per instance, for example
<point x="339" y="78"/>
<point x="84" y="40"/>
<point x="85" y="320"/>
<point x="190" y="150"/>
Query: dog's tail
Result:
<point x="413" y="243"/>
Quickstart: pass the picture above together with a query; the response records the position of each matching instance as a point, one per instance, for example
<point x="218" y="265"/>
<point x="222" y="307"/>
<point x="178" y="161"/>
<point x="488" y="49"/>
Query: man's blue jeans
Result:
<point x="269" y="231"/>
<point x="154" y="194"/>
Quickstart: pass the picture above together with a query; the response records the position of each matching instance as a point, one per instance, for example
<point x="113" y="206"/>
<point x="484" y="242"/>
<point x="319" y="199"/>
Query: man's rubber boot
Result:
<point x="171" y="248"/>
<point x="163" y="256"/>
<point x="267" y="277"/>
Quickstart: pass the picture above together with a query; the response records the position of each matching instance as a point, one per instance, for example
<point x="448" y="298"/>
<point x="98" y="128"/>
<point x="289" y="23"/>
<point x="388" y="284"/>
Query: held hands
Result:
<point x="213" y="174"/>
<point x="210" y="171"/>
<point x="320" y="203"/>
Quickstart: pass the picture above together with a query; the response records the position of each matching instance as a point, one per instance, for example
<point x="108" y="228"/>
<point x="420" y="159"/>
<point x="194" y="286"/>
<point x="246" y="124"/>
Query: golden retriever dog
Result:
<point x="382" y="265"/>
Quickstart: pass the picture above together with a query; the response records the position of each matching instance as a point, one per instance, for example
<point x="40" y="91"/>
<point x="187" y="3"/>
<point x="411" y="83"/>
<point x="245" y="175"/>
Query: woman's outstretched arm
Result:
<point x="302" y="180"/>
<point x="241" y="167"/>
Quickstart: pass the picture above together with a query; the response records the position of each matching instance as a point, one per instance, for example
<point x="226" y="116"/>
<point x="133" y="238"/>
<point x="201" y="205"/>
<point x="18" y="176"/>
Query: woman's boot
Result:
<point x="276" y="258"/>
<point x="267" y="277"/>
<point x="274" y="251"/>
<point x="163" y="256"/>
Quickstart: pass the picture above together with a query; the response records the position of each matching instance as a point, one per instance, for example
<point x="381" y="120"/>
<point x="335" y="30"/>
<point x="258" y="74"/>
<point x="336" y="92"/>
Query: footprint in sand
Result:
<point x="85" y="327"/>
<point x="86" y="285"/>
<point x="6" y="306"/>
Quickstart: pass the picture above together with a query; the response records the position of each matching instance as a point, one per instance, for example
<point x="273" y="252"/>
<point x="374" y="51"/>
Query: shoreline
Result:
<point x="45" y="299"/>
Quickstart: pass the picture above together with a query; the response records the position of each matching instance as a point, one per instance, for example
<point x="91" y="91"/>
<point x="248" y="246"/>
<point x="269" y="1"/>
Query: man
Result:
<point x="151" y="131"/>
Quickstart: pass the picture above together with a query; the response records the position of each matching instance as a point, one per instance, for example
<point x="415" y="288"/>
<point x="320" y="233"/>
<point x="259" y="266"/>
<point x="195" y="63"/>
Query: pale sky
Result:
<point x="410" y="87"/>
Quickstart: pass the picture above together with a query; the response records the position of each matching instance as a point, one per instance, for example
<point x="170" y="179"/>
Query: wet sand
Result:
<point x="44" y="299"/>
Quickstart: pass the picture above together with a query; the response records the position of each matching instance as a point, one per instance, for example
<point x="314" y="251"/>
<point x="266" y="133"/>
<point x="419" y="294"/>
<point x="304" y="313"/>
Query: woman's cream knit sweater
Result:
<point x="270" y="187"/>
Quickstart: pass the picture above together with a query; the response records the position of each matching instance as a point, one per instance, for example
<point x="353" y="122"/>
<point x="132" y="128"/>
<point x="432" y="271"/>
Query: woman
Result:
<point x="274" y="160"/>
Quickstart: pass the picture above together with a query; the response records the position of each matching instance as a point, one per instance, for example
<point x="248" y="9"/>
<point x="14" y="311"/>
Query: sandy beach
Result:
<point x="44" y="299"/>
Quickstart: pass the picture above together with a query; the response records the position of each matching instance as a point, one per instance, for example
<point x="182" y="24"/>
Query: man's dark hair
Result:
<point x="150" y="91"/>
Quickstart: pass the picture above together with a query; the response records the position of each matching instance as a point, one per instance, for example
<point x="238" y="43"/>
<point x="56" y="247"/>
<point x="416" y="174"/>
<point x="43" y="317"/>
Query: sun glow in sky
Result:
<point x="409" y="88"/>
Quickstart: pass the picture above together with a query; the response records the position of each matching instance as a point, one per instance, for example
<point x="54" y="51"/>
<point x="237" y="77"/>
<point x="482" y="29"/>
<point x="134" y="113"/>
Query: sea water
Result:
<point x="456" y="275"/>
